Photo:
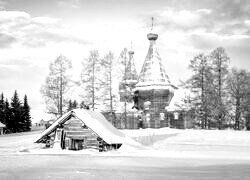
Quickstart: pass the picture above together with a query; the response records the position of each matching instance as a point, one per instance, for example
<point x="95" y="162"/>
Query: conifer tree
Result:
<point x="2" y="109"/>
<point x="16" y="120"/>
<point x="70" y="105"/>
<point x="7" y="113"/>
<point x="26" y="114"/>
<point x="83" y="105"/>
<point x="74" y="104"/>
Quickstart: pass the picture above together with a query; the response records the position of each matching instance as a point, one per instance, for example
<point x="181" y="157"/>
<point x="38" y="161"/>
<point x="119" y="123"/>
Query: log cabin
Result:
<point x="81" y="129"/>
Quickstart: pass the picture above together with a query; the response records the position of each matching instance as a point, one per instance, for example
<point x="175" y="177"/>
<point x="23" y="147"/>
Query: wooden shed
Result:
<point x="81" y="129"/>
<point x="2" y="126"/>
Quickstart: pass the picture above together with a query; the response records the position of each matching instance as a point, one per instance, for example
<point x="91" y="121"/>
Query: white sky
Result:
<point x="33" y="33"/>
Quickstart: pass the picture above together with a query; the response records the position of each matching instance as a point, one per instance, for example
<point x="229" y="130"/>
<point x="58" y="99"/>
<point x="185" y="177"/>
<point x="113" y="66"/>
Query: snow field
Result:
<point x="164" y="142"/>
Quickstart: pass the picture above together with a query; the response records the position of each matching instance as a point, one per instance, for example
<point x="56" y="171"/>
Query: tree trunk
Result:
<point x="60" y="101"/>
<point x="237" y="114"/>
<point x="93" y="85"/>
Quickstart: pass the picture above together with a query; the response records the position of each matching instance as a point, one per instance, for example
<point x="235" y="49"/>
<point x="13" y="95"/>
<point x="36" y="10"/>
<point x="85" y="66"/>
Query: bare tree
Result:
<point x="238" y="87"/>
<point x="56" y="86"/>
<point x="108" y="80"/>
<point x="123" y="59"/>
<point x="220" y="62"/>
<point x="90" y="78"/>
<point x="200" y="86"/>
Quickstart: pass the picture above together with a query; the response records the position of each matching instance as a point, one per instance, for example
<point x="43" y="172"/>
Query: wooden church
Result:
<point x="151" y="91"/>
<point x="82" y="129"/>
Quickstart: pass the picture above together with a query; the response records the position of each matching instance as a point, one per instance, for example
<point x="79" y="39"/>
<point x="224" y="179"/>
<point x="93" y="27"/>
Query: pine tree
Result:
<point x="7" y="113"/>
<point x="74" y="104"/>
<point x="16" y="120"/>
<point x="2" y="109"/>
<point x="26" y="114"/>
<point x="83" y="105"/>
<point x="70" y="105"/>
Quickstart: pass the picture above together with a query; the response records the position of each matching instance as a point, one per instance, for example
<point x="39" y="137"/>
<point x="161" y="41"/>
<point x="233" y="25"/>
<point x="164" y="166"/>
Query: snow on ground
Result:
<point x="191" y="136"/>
<point x="189" y="143"/>
<point x="164" y="142"/>
<point x="18" y="142"/>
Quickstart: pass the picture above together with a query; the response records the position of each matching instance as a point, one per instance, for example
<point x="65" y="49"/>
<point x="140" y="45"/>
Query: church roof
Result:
<point x="131" y="73"/>
<point x="153" y="72"/>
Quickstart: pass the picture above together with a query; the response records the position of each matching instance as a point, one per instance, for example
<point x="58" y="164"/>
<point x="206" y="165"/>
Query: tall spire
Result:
<point x="129" y="80"/>
<point x="153" y="72"/>
<point x="131" y="73"/>
<point x="152" y="25"/>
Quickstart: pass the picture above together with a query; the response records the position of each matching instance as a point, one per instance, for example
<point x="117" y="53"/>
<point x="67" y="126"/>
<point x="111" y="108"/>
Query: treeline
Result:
<point x="220" y="96"/>
<point x="16" y="114"/>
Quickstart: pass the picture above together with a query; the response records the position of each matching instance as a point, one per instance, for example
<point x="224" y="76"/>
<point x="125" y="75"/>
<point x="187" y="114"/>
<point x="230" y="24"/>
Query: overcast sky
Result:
<point x="34" y="32"/>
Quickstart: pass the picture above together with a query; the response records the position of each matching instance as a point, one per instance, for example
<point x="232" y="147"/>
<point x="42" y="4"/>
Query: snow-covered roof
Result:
<point x="94" y="120"/>
<point x="153" y="71"/>
<point x="2" y="125"/>
<point x="177" y="101"/>
<point x="131" y="73"/>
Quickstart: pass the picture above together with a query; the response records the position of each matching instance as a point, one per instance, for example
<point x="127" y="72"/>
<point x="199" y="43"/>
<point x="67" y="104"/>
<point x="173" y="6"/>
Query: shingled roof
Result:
<point x="153" y="74"/>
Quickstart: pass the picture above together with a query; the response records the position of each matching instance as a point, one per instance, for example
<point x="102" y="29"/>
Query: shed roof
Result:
<point x="2" y="125"/>
<point x="94" y="120"/>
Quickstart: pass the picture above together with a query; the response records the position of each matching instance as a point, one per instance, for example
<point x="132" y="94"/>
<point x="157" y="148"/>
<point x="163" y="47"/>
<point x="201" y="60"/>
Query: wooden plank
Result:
<point x="80" y="133"/>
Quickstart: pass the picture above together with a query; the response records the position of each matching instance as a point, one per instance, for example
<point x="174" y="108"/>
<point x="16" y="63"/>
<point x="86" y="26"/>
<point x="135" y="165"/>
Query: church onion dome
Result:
<point x="131" y="52"/>
<point x="152" y="36"/>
